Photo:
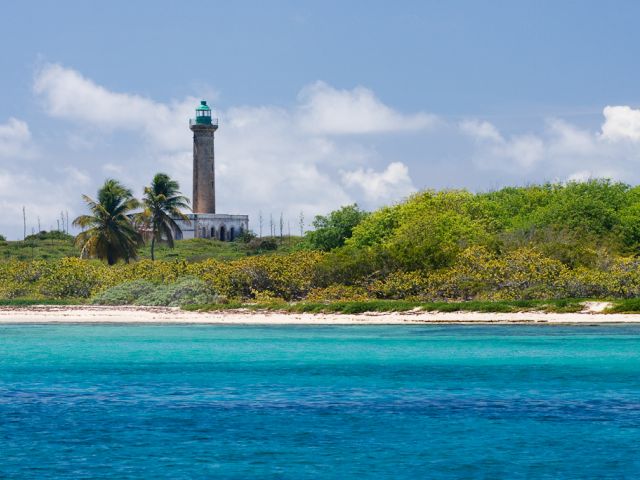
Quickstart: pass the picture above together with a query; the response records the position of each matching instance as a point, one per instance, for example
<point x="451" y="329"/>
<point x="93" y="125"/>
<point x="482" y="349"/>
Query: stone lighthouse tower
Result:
<point x="204" y="177"/>
<point x="204" y="222"/>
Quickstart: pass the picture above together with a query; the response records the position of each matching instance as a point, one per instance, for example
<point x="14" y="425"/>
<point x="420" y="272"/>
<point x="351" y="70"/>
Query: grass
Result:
<point x="556" y="306"/>
<point x="38" y="249"/>
<point x="195" y="250"/>
<point x="28" y="302"/>
<point x="198" y="249"/>
<point x="345" y="307"/>
<point x="627" y="305"/>
<point x="53" y="246"/>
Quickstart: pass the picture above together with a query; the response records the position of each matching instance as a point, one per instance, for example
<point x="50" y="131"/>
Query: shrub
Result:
<point x="400" y="285"/>
<point x="246" y="236"/>
<point x="72" y="277"/>
<point x="187" y="291"/>
<point x="480" y="274"/>
<point x="333" y="230"/>
<point x="351" y="266"/>
<point x="625" y="306"/>
<point x="334" y="293"/>
<point x="286" y="276"/>
<point x="52" y="235"/>
<point x="126" y="293"/>
<point x="257" y="245"/>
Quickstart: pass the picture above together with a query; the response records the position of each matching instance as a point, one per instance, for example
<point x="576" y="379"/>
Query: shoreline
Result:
<point x="84" y="314"/>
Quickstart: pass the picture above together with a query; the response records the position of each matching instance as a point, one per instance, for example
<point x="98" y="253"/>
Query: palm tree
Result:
<point x="109" y="233"/>
<point x="162" y="202"/>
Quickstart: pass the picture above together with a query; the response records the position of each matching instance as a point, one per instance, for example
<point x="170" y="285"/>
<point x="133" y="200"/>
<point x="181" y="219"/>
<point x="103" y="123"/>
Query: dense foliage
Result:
<point x="539" y="242"/>
<point x="185" y="291"/>
<point x="108" y="231"/>
<point x="162" y="203"/>
<point x="333" y="230"/>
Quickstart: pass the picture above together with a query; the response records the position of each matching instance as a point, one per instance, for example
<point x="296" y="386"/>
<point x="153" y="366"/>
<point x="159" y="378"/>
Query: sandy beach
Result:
<point x="127" y="314"/>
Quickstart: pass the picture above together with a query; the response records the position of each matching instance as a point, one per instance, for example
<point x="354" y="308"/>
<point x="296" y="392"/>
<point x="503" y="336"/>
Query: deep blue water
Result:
<point x="104" y="401"/>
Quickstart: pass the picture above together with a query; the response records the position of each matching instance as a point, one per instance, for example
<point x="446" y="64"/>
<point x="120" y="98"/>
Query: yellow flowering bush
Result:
<point x="478" y="273"/>
<point x="338" y="292"/>
<point x="399" y="285"/>
<point x="72" y="278"/>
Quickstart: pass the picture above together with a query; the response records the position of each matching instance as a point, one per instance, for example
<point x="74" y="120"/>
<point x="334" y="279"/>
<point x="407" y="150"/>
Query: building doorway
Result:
<point x="223" y="233"/>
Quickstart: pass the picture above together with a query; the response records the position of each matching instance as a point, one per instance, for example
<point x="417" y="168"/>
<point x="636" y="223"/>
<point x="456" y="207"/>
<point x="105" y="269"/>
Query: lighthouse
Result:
<point x="204" y="222"/>
<point x="204" y="175"/>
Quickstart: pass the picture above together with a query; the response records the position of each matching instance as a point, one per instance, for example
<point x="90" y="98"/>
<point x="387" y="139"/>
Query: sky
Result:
<point x="320" y="103"/>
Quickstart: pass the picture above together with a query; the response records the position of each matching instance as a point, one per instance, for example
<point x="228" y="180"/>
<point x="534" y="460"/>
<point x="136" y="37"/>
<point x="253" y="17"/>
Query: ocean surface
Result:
<point x="334" y="402"/>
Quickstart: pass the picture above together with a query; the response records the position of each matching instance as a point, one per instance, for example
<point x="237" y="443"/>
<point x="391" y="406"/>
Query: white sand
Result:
<point x="94" y="314"/>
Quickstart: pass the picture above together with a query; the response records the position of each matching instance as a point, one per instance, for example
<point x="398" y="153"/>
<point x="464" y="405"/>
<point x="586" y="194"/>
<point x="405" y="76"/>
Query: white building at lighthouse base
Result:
<point x="218" y="226"/>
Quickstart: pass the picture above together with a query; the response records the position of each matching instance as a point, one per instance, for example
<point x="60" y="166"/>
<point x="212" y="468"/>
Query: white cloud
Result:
<point x="567" y="139"/>
<point x="621" y="123"/>
<point x="481" y="130"/>
<point x="494" y="151"/>
<point x="264" y="163"/>
<point x="562" y="151"/>
<point x="42" y="198"/>
<point x="585" y="175"/>
<point x="580" y="176"/>
<point x="68" y="94"/>
<point x="327" y="110"/>
<point x="75" y="175"/>
<point x="112" y="168"/>
<point x="15" y="139"/>
<point x="524" y="150"/>
<point x="387" y="186"/>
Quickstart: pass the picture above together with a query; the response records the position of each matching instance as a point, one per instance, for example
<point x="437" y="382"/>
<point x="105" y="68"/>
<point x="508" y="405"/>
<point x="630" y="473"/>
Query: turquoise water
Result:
<point x="104" y="401"/>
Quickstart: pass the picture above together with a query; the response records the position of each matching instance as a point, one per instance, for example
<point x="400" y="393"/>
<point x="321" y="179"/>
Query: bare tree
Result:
<point x="301" y="223"/>
<point x="271" y="225"/>
<point x="24" y="223"/>
<point x="260" y="221"/>
<point x="39" y="229"/>
<point x="281" y="226"/>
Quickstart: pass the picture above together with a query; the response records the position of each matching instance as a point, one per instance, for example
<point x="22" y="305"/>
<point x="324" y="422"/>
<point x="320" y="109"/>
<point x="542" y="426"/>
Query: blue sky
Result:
<point x="320" y="103"/>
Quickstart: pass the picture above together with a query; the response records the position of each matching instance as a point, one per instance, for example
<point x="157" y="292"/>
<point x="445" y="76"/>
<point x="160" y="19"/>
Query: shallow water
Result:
<point x="107" y="401"/>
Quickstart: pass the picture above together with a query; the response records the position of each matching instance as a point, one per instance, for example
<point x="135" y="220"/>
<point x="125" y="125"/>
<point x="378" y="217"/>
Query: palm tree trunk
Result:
<point x="153" y="245"/>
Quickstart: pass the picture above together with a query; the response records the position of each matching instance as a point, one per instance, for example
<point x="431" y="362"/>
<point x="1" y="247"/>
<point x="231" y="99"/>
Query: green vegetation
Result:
<point x="57" y="245"/>
<point x="162" y="203"/>
<point x="516" y="248"/>
<point x="333" y="230"/>
<point x="354" y="307"/>
<point x="627" y="305"/>
<point x="41" y="246"/>
<point x="111" y="234"/>
<point x="27" y="302"/>
<point x="199" y="249"/>
<point x="185" y="291"/>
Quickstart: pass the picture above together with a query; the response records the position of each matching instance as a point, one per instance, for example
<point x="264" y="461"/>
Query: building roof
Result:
<point x="203" y="106"/>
